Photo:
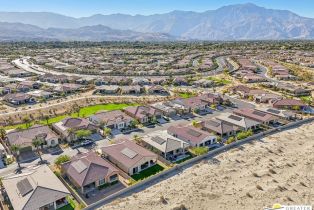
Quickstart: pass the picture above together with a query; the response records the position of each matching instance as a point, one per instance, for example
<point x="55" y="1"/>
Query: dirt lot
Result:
<point x="278" y="169"/>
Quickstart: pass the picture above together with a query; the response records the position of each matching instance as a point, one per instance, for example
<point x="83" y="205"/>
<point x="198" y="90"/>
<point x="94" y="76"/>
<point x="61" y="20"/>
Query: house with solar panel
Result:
<point x="193" y="136"/>
<point x="88" y="171"/>
<point x="166" y="145"/>
<point x="36" y="188"/>
<point x="256" y="115"/>
<point x="281" y="114"/>
<point x="242" y="123"/>
<point x="128" y="156"/>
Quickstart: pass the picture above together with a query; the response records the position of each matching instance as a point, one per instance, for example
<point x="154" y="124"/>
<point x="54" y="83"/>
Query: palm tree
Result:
<point x="46" y="118"/>
<point x="3" y="135"/>
<point x="16" y="152"/>
<point x="37" y="142"/>
<point x="106" y="131"/>
<point x="27" y="122"/>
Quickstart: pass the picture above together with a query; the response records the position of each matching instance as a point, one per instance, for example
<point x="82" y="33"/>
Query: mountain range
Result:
<point x="234" y="22"/>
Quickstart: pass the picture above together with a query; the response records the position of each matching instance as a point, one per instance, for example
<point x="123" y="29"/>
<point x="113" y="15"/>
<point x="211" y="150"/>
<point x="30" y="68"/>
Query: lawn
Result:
<point x="307" y="99"/>
<point x="219" y="80"/>
<point x="148" y="172"/>
<point x="84" y="112"/>
<point x="67" y="207"/>
<point x="184" y="159"/>
<point x="186" y="94"/>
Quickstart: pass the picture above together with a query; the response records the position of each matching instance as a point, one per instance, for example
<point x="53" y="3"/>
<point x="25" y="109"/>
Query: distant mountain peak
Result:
<point x="232" y="22"/>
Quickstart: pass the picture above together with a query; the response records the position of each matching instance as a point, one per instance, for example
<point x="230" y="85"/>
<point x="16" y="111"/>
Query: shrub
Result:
<point x="230" y="140"/>
<point x="62" y="159"/>
<point x="199" y="150"/>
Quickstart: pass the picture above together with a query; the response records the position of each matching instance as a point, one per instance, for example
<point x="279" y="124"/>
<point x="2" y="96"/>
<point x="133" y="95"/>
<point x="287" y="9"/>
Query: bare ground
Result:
<point x="278" y="169"/>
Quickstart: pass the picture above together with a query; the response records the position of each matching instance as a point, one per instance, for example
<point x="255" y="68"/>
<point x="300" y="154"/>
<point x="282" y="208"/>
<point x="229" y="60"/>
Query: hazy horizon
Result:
<point x="81" y="8"/>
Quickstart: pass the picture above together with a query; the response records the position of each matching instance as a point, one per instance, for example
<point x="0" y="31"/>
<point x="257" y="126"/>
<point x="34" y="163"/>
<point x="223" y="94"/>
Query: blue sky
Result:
<point x="80" y="8"/>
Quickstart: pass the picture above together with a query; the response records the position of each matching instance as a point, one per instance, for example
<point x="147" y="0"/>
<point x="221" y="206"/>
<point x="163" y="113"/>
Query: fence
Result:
<point x="174" y="170"/>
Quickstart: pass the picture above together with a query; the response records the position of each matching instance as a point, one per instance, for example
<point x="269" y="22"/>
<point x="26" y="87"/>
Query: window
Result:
<point x="135" y="170"/>
<point x="102" y="181"/>
<point x="114" y="178"/>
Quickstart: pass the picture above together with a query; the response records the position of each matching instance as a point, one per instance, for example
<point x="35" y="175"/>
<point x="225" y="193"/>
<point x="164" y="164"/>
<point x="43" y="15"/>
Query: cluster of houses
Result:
<point x="247" y="72"/>
<point x="288" y="88"/>
<point x="262" y="96"/>
<point x="125" y="61"/>
<point x="278" y="71"/>
<point x="90" y="171"/>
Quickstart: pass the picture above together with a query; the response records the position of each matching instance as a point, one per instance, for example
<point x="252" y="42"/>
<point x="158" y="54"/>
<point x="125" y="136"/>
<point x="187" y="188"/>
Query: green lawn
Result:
<point x="307" y="99"/>
<point x="218" y="80"/>
<point x="84" y="112"/>
<point x="148" y="172"/>
<point x="67" y="207"/>
<point x="186" y="95"/>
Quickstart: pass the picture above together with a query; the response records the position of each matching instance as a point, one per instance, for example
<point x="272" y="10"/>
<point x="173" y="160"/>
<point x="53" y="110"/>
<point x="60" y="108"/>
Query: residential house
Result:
<point x="18" y="98"/>
<point x="24" y="138"/>
<point x="219" y="128"/>
<point x="157" y="89"/>
<point x="166" y="110"/>
<point x="128" y="156"/>
<point x="211" y="98"/>
<point x="110" y="90"/>
<point x="136" y="89"/>
<point x="256" y="115"/>
<point x="67" y="88"/>
<point x="287" y="104"/>
<point x="67" y="128"/>
<point x="282" y="114"/>
<point x="165" y="145"/>
<point x="35" y="189"/>
<point x="193" y="104"/>
<point x="254" y="78"/>
<point x="242" y="123"/>
<point x="87" y="171"/>
<point x="193" y="136"/>
<point x="144" y="114"/>
<point x="112" y="119"/>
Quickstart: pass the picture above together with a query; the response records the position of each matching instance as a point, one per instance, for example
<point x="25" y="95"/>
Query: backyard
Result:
<point x="148" y="172"/>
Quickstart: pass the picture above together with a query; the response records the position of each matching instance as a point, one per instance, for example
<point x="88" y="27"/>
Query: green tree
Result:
<point x="37" y="142"/>
<point x="27" y="122"/>
<point x="15" y="149"/>
<point x="82" y="133"/>
<point x="3" y="135"/>
<point x="62" y="159"/>
<point x="107" y="131"/>
<point x="137" y="138"/>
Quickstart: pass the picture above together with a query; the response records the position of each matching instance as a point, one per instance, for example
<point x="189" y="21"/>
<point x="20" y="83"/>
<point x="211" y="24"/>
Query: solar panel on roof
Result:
<point x="129" y="153"/>
<point x="258" y="113"/>
<point x="24" y="186"/>
<point x="79" y="166"/>
<point x="234" y="117"/>
<point x="194" y="133"/>
<point x="273" y="111"/>
<point x="158" y="140"/>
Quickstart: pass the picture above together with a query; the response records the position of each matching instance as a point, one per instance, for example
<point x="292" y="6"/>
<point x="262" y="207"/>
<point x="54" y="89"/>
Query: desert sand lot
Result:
<point x="277" y="169"/>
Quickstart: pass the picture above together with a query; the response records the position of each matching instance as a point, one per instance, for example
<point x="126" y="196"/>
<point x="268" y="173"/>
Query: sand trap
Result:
<point x="280" y="169"/>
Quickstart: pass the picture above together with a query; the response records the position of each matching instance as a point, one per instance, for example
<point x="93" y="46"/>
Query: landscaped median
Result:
<point x="81" y="112"/>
